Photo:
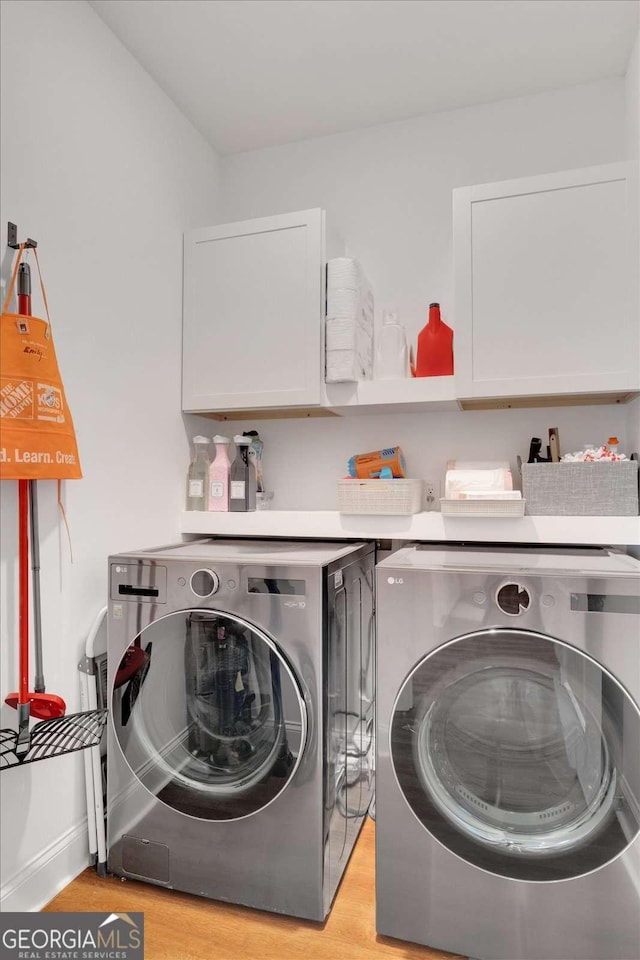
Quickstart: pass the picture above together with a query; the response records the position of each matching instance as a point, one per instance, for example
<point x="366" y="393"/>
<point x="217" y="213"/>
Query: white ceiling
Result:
<point x="253" y="73"/>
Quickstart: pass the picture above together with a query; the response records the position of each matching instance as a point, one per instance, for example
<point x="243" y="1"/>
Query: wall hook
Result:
<point x="12" y="238"/>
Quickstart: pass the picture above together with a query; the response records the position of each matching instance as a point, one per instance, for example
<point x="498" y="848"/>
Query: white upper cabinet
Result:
<point x="253" y="314"/>
<point x="542" y="281"/>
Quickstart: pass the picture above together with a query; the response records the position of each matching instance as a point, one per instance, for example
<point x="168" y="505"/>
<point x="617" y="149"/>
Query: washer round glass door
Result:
<point x="516" y="752"/>
<point x="208" y="714"/>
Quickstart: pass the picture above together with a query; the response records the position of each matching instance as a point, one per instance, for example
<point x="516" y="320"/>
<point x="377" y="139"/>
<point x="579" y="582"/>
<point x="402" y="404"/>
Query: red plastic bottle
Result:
<point x="435" y="347"/>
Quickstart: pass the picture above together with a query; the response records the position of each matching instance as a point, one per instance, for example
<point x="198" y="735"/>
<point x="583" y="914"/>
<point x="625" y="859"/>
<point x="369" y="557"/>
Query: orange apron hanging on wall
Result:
<point x="37" y="437"/>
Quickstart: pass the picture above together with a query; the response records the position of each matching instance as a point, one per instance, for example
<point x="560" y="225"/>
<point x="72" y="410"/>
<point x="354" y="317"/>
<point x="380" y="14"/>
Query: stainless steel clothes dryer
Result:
<point x="240" y="754"/>
<point x="508" y="739"/>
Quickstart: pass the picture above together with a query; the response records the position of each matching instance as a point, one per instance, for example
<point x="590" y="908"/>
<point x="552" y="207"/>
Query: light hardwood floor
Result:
<point x="182" y="927"/>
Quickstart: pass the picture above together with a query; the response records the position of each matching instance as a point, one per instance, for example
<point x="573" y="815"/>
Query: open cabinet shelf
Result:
<point x="429" y="394"/>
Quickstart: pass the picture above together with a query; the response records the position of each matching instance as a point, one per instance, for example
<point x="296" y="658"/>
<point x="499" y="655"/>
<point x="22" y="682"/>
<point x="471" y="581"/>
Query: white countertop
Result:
<point x="329" y="524"/>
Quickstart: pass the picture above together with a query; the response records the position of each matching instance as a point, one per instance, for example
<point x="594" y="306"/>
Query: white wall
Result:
<point x="303" y="458"/>
<point x="387" y="189"/>
<point x="632" y="94"/>
<point x="103" y="170"/>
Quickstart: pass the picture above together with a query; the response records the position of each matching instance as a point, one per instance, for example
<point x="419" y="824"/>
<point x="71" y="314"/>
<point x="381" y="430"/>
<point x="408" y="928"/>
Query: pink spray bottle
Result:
<point x="219" y="476"/>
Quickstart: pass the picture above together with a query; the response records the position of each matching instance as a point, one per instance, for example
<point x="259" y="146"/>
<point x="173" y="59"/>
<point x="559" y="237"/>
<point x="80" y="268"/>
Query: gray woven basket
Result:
<point x="581" y="489"/>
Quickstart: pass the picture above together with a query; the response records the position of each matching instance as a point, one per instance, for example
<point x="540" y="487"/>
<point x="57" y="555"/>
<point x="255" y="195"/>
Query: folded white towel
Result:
<point x="477" y="464"/>
<point x="349" y="324"/>
<point x="344" y="273"/>
<point x="343" y="303"/>
<point x="470" y="480"/>
<point x="488" y="495"/>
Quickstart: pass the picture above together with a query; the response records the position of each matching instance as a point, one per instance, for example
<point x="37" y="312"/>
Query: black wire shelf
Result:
<point x="53" y="738"/>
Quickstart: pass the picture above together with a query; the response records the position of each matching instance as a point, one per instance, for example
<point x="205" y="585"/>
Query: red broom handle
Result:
<point x="24" y="304"/>
<point x="23" y="586"/>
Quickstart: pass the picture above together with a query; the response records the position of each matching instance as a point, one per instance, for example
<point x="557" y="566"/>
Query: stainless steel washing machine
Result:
<point x="240" y="753"/>
<point x="508" y="738"/>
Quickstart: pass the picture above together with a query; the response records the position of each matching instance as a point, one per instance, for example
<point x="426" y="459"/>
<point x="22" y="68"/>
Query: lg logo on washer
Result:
<point x="393" y="580"/>
<point x="513" y="599"/>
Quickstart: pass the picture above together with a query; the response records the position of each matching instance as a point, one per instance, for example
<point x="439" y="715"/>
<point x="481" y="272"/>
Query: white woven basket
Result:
<point x="390" y="497"/>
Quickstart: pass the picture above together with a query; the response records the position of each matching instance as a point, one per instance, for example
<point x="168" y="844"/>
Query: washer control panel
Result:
<point x="139" y="582"/>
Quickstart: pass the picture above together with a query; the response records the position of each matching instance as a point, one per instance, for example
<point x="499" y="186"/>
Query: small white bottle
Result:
<point x="392" y="360"/>
<point x="219" y="476"/>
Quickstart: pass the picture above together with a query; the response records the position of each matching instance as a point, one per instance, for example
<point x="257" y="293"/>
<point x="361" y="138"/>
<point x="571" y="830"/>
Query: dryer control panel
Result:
<point x="138" y="581"/>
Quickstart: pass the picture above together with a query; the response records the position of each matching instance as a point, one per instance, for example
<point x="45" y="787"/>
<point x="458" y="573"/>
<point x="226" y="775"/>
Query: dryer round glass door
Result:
<point x="208" y="714"/>
<point x="519" y="754"/>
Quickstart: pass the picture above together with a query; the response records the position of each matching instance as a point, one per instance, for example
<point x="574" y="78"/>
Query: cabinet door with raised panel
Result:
<point x="252" y="321"/>
<point x="542" y="286"/>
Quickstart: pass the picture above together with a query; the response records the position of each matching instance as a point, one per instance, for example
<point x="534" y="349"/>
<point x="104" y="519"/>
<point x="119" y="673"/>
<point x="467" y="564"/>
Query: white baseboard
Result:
<point x="44" y="876"/>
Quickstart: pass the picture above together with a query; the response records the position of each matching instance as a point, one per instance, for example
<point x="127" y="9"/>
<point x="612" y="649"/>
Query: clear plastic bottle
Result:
<point x="242" y="479"/>
<point x="255" y="455"/>
<point x="219" y="471"/>
<point x="198" y="475"/>
<point x="392" y="360"/>
<point x="613" y="443"/>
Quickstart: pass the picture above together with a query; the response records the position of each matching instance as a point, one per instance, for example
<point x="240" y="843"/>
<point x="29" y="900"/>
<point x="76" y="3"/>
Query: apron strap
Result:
<point x="64" y="517"/>
<point x="44" y="292"/>
<point x="12" y="285"/>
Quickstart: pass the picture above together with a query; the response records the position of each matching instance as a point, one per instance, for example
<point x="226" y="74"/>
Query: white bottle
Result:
<point x="392" y="360"/>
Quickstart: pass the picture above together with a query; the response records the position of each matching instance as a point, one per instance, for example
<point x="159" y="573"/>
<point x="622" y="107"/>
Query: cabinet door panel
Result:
<point x="252" y="321"/>
<point x="548" y="271"/>
<point x="542" y="286"/>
